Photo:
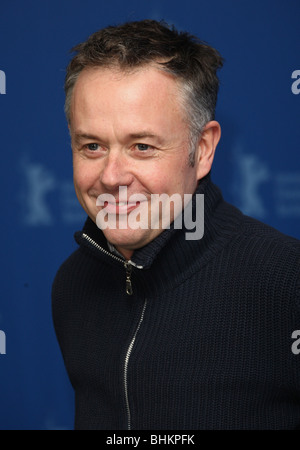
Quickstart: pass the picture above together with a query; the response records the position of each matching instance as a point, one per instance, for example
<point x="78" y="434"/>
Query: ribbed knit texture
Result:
<point x="213" y="350"/>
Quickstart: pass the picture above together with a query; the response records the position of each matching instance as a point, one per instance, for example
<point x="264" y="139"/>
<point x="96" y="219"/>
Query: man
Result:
<point x="159" y="330"/>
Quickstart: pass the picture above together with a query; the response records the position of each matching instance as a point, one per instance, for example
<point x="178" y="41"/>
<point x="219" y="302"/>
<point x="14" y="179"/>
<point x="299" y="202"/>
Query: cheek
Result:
<point x="84" y="176"/>
<point x="175" y="178"/>
<point x="79" y="180"/>
<point x="161" y="176"/>
<point x="159" y="182"/>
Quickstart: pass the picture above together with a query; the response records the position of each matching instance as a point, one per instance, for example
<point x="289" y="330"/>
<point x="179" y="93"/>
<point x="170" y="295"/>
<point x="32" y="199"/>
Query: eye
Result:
<point x="93" y="147"/>
<point x="144" y="147"/>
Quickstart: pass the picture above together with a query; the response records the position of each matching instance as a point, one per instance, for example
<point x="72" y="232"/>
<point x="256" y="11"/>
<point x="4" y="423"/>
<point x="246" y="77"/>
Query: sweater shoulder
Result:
<point x="71" y="276"/>
<point x="275" y="255"/>
<point x="69" y="266"/>
<point x="259" y="231"/>
<point x="251" y="236"/>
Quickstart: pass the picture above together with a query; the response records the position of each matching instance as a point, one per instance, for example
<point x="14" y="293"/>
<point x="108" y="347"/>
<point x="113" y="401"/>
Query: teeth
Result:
<point x="125" y="204"/>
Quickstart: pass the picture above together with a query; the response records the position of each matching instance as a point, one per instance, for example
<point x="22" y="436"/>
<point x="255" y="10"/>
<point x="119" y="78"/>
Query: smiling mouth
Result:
<point x="120" y="207"/>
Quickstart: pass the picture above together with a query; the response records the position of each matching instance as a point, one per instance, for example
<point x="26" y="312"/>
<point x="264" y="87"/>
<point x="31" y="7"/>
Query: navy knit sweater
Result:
<point x="205" y="339"/>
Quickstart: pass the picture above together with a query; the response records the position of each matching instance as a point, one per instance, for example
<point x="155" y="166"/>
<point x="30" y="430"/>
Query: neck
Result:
<point x="125" y="252"/>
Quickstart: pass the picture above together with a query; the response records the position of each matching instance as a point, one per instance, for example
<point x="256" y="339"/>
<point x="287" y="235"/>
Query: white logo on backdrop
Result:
<point x="287" y="194"/>
<point x="45" y="199"/>
<point x="252" y="174"/>
<point x="39" y="182"/>
<point x="255" y="174"/>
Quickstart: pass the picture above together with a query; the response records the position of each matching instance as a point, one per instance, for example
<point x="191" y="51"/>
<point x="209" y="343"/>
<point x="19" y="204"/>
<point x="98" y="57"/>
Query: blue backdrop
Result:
<point x="257" y="161"/>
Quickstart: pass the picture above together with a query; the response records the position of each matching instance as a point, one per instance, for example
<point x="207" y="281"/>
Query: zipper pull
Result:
<point x="128" y="268"/>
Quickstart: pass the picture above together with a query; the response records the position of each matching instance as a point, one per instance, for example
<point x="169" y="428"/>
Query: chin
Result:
<point x="129" y="240"/>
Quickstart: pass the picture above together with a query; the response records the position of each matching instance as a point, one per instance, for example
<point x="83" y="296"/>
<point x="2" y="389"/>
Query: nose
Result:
<point x="115" y="171"/>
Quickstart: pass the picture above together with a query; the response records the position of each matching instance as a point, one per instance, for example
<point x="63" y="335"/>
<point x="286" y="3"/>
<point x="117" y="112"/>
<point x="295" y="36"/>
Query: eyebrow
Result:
<point x="140" y="135"/>
<point x="79" y="136"/>
<point x="150" y="135"/>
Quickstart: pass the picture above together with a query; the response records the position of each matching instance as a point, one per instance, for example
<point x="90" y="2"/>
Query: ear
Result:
<point x="206" y="148"/>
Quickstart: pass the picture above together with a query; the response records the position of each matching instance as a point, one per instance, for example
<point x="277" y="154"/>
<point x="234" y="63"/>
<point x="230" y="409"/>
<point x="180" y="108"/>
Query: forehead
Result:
<point x="147" y="80"/>
<point x="145" y="91"/>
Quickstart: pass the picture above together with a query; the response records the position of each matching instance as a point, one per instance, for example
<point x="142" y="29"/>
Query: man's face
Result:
<point x="128" y="129"/>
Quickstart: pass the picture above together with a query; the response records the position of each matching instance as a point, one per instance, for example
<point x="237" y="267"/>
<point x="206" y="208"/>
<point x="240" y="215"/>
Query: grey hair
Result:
<point x="197" y="116"/>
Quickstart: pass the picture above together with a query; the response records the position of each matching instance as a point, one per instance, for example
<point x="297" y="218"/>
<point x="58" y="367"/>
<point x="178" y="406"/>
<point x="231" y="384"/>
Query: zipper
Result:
<point x="127" y="264"/>
<point x="127" y="357"/>
<point x="128" y="268"/>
